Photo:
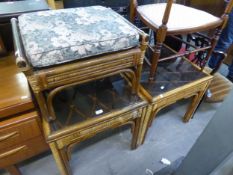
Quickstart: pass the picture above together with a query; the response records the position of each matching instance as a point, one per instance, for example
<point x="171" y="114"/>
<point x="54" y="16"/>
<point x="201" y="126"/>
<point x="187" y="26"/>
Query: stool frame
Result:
<point x="55" y="79"/>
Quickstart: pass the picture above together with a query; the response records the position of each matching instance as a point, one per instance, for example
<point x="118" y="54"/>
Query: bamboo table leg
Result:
<point x="193" y="106"/>
<point x="13" y="170"/>
<point x="62" y="162"/>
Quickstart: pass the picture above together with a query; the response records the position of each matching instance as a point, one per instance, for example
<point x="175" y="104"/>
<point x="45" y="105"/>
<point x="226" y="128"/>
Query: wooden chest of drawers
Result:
<point x="21" y="135"/>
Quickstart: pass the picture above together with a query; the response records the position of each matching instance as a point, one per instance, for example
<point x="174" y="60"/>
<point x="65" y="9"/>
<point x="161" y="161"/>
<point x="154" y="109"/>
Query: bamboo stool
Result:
<point x="52" y="65"/>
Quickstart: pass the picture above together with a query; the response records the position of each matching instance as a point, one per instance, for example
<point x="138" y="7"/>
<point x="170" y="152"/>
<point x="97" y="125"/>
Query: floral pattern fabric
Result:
<point x="58" y="36"/>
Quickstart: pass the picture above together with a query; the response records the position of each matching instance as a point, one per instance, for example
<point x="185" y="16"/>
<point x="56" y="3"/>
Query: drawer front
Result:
<point x="22" y="151"/>
<point x="19" y="129"/>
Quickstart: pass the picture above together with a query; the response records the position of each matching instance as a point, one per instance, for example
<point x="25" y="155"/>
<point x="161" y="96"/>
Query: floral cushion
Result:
<point x="59" y="36"/>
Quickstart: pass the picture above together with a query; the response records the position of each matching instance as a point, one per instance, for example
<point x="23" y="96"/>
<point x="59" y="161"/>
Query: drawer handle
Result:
<point x="14" y="151"/>
<point x="8" y="136"/>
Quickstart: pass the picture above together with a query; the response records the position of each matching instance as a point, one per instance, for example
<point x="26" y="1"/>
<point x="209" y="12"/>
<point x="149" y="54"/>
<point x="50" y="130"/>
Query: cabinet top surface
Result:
<point x="15" y="96"/>
<point x="14" y="8"/>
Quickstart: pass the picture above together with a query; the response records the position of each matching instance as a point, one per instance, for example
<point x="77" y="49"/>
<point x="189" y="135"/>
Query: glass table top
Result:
<point x="92" y="100"/>
<point x="171" y="75"/>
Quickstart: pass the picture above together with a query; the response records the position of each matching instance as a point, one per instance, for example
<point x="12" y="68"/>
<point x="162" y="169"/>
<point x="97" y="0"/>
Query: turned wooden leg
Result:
<point x="160" y="37"/>
<point x="193" y="106"/>
<point x="154" y="61"/>
<point x="223" y="56"/>
<point x="60" y="158"/>
<point x="214" y="41"/>
<point x="13" y="170"/>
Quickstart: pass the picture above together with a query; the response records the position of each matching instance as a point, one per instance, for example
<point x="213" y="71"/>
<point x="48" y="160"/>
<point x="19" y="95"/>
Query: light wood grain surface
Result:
<point x="14" y="91"/>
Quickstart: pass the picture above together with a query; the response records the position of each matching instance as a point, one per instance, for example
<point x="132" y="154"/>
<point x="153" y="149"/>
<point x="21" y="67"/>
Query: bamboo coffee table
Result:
<point x="175" y="80"/>
<point x="85" y="110"/>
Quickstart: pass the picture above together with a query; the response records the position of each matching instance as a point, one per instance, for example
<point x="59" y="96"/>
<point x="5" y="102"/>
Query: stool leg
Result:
<point x="160" y="37"/>
<point x="62" y="162"/>
<point x="135" y="134"/>
<point x="138" y="77"/>
<point x="155" y="57"/>
<point x="214" y="41"/>
<point x="13" y="170"/>
<point x="193" y="106"/>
